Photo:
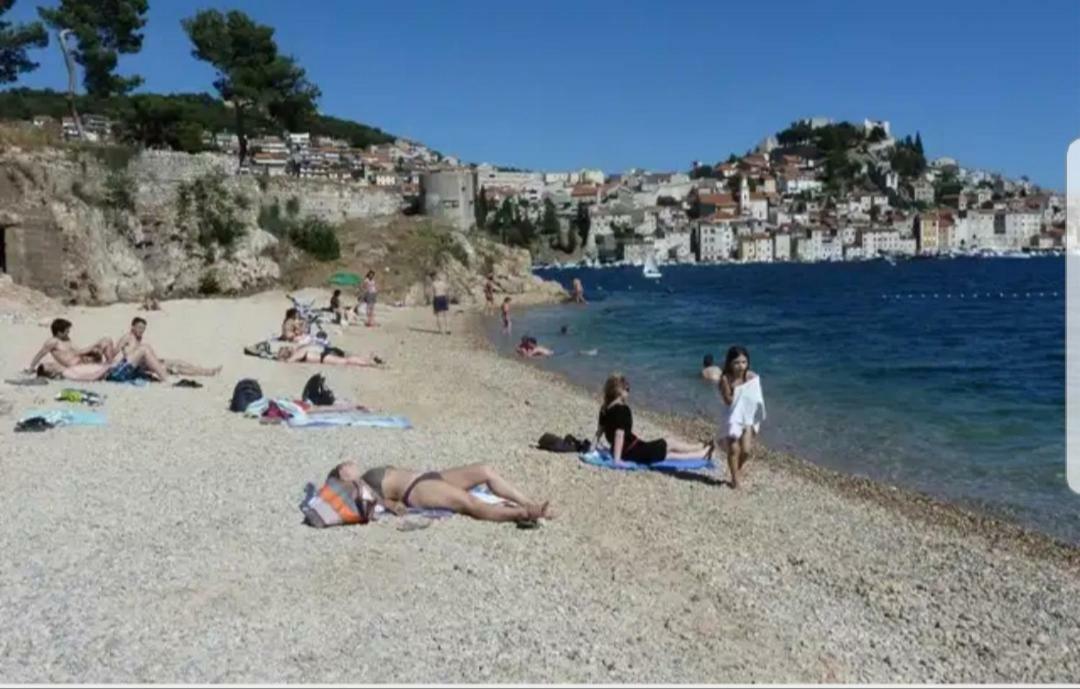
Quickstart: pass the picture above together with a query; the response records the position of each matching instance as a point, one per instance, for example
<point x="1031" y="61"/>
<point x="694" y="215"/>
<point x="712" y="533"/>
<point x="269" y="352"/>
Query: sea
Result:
<point x="942" y="376"/>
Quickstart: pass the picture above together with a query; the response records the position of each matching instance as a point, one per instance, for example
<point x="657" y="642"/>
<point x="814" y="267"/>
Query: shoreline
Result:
<point x="934" y="511"/>
<point x="167" y="546"/>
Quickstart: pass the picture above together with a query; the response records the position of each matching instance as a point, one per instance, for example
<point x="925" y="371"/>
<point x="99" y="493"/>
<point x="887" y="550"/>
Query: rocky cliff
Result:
<point x="100" y="224"/>
<point x="97" y="226"/>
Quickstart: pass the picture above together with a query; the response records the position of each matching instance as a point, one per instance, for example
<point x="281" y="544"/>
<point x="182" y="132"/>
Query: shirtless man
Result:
<point x="133" y="339"/>
<point x="506" y="316"/>
<point x="489" y="294"/>
<point x="440" y="301"/>
<point x="577" y="292"/>
<point x="710" y="371"/>
<point x="66" y="354"/>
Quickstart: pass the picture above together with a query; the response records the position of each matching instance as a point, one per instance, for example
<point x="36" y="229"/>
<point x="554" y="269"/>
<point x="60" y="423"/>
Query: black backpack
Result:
<point x="316" y="391"/>
<point x="246" y="391"/>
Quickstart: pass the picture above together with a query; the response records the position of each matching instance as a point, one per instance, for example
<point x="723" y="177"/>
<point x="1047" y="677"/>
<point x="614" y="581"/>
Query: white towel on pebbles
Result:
<point x="747" y="409"/>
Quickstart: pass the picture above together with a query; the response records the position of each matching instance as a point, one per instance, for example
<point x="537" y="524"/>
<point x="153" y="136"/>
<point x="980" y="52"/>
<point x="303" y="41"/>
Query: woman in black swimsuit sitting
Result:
<point x="319" y="354"/>
<point x="398" y="489"/>
<point x="616" y="424"/>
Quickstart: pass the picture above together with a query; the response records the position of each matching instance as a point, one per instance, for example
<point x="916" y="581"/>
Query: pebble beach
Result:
<point x="167" y="546"/>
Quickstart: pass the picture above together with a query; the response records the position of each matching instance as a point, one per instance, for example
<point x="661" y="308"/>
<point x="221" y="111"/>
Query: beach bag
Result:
<point x="568" y="443"/>
<point x="246" y="391"/>
<point x="316" y="391"/>
<point x="331" y="505"/>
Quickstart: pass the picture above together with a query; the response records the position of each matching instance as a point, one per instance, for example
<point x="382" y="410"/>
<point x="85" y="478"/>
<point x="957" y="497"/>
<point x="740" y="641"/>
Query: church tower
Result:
<point x="744" y="197"/>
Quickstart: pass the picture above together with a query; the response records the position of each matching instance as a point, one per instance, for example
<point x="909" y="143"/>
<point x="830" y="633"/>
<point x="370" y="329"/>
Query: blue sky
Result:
<point x="623" y="83"/>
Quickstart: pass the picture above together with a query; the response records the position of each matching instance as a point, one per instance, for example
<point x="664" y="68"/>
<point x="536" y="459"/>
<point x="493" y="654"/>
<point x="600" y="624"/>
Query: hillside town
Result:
<point x="789" y="199"/>
<point x="776" y="203"/>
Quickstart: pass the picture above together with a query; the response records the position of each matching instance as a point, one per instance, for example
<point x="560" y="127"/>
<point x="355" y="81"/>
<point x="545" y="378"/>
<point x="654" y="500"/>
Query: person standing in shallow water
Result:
<point x="738" y="436"/>
<point x="577" y="292"/>
<point x="506" y="316"/>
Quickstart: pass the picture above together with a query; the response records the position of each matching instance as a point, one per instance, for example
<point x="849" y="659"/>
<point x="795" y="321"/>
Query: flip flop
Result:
<point x="528" y="524"/>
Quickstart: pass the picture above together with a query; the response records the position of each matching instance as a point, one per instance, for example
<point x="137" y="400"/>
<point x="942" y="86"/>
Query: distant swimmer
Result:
<point x="709" y="370"/>
<point x="528" y="347"/>
<point x="565" y="330"/>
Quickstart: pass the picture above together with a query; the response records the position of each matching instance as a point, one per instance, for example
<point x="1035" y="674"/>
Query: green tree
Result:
<point x="15" y="39"/>
<point x="260" y="83"/>
<point x="582" y="222"/>
<point x="158" y="121"/>
<point x="918" y="143"/>
<point x="103" y="29"/>
<point x="550" y="223"/>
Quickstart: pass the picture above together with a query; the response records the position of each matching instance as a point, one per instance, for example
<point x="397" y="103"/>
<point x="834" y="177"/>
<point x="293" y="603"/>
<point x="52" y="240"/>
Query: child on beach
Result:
<point x="529" y="348"/>
<point x="709" y="370"/>
<point x="506" y="315"/>
<point x="744" y="409"/>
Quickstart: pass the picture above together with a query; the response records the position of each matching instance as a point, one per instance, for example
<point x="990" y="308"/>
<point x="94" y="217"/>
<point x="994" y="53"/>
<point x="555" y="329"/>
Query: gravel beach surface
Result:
<point x="167" y="546"/>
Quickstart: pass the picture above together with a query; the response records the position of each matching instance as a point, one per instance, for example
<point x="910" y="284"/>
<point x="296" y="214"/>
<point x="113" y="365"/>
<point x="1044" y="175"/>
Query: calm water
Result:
<point x="944" y="376"/>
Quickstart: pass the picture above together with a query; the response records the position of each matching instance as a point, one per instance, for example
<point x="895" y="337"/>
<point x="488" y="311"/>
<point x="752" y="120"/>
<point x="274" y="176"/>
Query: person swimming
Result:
<point x="528" y="347"/>
<point x="709" y="370"/>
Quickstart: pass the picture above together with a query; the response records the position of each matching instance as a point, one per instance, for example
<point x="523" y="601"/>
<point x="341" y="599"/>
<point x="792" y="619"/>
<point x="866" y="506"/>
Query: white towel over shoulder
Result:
<point x="747" y="409"/>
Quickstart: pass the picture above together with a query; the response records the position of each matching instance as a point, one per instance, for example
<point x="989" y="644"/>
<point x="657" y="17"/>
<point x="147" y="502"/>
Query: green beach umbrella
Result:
<point x="346" y="279"/>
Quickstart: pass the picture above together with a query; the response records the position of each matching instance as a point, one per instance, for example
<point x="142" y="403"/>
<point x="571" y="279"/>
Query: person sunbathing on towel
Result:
<point x="133" y="339"/>
<point x="616" y="425"/>
<point x="138" y="362"/>
<point x="399" y="489"/>
<point x="66" y="354"/>
<point x="528" y="347"/>
<point x="292" y="328"/>
<point x="318" y="354"/>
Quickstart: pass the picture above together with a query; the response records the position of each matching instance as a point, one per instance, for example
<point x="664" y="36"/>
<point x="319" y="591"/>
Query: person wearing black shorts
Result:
<point x="616" y="425"/>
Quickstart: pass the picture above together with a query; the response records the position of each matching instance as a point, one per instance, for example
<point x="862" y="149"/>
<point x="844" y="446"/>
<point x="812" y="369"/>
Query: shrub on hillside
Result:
<point x="316" y="237"/>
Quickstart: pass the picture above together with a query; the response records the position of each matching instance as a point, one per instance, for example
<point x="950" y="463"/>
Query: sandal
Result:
<point x="528" y="524"/>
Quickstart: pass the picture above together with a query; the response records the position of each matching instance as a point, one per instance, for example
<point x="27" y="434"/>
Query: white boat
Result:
<point x="650" y="270"/>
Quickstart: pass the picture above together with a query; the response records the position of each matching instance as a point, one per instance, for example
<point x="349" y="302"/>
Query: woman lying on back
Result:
<point x="319" y="354"/>
<point x="398" y="489"/>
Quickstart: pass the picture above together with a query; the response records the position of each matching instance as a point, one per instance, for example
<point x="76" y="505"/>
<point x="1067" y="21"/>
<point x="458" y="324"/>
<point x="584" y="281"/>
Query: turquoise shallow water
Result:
<point x="947" y="376"/>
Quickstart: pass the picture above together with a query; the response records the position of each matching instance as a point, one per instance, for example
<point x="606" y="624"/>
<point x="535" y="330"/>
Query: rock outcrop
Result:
<point x="103" y="224"/>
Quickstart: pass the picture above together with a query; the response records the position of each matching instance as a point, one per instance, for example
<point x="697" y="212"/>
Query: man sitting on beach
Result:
<point x="66" y="354"/>
<point x="133" y="339"/>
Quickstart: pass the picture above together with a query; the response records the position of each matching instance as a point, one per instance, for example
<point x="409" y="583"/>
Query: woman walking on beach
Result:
<point x="744" y="409"/>
<point x="371" y="292"/>
<point x="399" y="489"/>
<point x="616" y="425"/>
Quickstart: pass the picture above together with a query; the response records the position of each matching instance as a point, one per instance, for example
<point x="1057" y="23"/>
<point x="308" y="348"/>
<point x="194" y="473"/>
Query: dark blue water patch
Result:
<point x="867" y="368"/>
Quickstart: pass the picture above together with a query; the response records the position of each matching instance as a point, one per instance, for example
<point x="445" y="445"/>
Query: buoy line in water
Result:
<point x="973" y="295"/>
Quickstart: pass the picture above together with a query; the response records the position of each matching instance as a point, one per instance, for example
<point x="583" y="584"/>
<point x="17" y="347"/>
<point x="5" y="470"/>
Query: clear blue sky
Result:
<point x="623" y="83"/>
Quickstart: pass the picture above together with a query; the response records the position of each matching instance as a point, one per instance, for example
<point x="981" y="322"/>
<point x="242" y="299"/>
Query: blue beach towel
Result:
<point x="602" y="458"/>
<point x="66" y="417"/>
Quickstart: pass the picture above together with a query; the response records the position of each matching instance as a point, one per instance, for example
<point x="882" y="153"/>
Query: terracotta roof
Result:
<point x="717" y="200"/>
<point x="583" y="190"/>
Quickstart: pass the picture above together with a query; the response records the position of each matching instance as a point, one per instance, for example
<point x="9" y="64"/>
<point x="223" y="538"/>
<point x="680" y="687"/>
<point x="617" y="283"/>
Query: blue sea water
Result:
<point x="946" y="376"/>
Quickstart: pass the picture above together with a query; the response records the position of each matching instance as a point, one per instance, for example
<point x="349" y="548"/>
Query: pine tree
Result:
<point x="918" y="143"/>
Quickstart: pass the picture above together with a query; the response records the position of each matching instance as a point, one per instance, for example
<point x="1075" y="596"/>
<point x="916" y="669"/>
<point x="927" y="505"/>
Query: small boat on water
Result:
<point x="650" y="270"/>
